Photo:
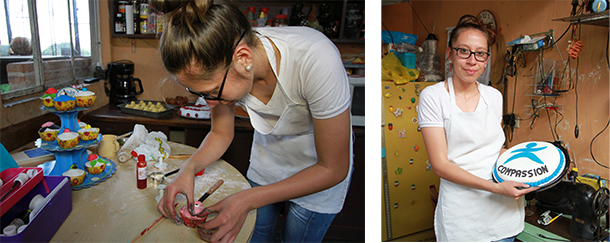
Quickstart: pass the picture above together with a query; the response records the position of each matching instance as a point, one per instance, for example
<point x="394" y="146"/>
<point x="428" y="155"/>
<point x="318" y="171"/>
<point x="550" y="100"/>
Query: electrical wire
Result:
<point x="422" y="23"/>
<point x="389" y="32"/>
<point x="576" y="128"/>
<point x="591" y="145"/>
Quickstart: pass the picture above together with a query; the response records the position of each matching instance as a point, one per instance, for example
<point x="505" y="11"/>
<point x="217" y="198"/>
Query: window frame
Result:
<point x="94" y="29"/>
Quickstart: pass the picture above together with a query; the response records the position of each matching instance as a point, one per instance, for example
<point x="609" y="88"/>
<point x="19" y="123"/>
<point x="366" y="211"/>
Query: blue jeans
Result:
<point x="301" y="224"/>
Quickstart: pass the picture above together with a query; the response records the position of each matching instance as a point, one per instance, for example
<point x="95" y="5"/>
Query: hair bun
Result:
<point x="468" y="19"/>
<point x="167" y="6"/>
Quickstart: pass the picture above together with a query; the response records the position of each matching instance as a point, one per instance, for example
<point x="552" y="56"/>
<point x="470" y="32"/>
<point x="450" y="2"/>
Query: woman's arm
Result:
<point x="332" y="143"/>
<point x="436" y="144"/>
<point x="212" y="147"/>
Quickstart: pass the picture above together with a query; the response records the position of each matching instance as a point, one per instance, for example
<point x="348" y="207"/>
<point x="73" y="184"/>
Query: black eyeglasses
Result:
<point x="208" y="96"/>
<point x="480" y="56"/>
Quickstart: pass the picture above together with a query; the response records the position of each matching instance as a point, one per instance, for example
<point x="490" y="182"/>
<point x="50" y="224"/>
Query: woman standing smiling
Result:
<point x="460" y="121"/>
<point x="293" y="84"/>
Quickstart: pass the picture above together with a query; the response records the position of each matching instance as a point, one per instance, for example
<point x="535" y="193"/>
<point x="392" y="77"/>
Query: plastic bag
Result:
<point x="397" y="37"/>
<point x="393" y="70"/>
<point x="153" y="145"/>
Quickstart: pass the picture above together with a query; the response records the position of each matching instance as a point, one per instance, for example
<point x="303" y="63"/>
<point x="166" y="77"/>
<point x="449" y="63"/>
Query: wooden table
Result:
<point x="348" y="225"/>
<point x="116" y="210"/>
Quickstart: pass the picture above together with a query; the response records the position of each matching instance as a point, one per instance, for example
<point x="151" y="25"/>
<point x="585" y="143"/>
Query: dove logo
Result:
<point x="533" y="163"/>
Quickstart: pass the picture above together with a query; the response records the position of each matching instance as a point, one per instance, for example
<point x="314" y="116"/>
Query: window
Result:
<point x="54" y="43"/>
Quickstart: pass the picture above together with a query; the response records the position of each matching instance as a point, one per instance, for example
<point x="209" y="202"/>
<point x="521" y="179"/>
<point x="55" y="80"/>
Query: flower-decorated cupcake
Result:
<point x="85" y="98"/>
<point x="64" y="103"/>
<point x="67" y="140"/>
<point x="48" y="132"/>
<point x="88" y="133"/>
<point x="47" y="98"/>
<point x="95" y="164"/>
<point x="77" y="176"/>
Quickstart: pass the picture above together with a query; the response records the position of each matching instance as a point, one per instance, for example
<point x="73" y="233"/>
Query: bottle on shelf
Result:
<point x="252" y="15"/>
<point x="143" y="18"/>
<point x="119" y="23"/>
<point x="262" y="17"/>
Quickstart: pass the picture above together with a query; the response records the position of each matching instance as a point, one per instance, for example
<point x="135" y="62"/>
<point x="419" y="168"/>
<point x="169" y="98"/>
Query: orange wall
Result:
<point x="144" y="54"/>
<point x="516" y="18"/>
<point x="397" y="17"/>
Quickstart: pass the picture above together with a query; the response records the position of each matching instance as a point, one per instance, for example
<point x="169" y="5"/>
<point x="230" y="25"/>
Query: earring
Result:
<point x="248" y="68"/>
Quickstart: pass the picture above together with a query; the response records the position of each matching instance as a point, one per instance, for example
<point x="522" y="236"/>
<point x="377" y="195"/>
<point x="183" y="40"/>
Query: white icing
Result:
<point x="67" y="135"/>
<point x="534" y="163"/>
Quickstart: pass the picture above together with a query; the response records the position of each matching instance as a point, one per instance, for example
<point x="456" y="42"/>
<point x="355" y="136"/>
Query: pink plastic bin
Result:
<point x="48" y="220"/>
<point x="8" y="177"/>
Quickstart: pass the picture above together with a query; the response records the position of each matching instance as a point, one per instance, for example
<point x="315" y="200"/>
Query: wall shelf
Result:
<point x="599" y="19"/>
<point x="338" y="10"/>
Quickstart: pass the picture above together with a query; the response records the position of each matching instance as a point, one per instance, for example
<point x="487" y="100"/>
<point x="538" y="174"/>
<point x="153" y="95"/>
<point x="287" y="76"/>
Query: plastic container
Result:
<point x="545" y="78"/>
<point x="46" y="221"/>
<point x="8" y="176"/>
<point x="407" y="59"/>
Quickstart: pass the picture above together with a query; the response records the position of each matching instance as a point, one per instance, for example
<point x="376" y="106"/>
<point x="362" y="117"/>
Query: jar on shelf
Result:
<point x="353" y="19"/>
<point x="281" y="20"/>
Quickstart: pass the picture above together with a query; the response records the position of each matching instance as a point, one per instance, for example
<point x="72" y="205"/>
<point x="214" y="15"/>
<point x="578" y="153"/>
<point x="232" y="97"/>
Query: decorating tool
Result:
<point x="211" y="190"/>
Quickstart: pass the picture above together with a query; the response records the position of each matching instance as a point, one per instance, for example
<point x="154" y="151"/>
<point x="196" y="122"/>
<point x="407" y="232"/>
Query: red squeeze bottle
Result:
<point x="141" y="171"/>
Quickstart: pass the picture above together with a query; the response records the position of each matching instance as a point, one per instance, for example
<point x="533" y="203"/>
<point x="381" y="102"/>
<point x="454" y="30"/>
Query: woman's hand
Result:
<point x="184" y="184"/>
<point x="511" y="189"/>
<point x="232" y="212"/>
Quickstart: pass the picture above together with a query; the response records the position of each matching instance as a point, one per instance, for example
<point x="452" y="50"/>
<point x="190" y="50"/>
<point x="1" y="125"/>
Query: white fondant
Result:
<point x="534" y="163"/>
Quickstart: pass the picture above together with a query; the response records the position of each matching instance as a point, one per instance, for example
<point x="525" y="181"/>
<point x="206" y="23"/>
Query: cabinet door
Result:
<point x="409" y="179"/>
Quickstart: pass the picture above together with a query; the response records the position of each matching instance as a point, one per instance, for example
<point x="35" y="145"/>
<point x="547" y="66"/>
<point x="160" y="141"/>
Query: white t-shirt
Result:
<point x="435" y="105"/>
<point x="311" y="71"/>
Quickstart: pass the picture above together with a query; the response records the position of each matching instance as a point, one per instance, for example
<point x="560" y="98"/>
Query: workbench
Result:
<point x="115" y="210"/>
<point x="348" y="224"/>
<point x="558" y="230"/>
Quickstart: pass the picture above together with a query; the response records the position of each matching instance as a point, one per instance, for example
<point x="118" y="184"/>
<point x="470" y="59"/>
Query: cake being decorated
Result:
<point x="200" y="110"/>
<point x="534" y="163"/>
<point x="193" y="220"/>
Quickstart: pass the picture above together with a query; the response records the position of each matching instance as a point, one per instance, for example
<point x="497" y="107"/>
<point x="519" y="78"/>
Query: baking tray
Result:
<point x="168" y="109"/>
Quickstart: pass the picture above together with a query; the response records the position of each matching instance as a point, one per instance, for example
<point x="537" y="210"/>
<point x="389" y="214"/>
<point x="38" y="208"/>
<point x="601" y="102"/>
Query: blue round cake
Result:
<point x="534" y="163"/>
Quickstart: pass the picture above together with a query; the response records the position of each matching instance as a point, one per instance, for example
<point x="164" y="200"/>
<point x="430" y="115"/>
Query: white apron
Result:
<point x="282" y="149"/>
<point x="474" y="140"/>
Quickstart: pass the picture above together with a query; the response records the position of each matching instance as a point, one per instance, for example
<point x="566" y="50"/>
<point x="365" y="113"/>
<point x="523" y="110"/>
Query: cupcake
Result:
<point x="85" y="98"/>
<point x="64" y="103"/>
<point x="95" y="164"/>
<point x="77" y="176"/>
<point x="67" y="140"/>
<point x="47" y="98"/>
<point x="88" y="133"/>
<point x="48" y="133"/>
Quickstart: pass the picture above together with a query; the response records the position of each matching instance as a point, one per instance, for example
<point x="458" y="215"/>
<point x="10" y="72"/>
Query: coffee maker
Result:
<point x="122" y="83"/>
